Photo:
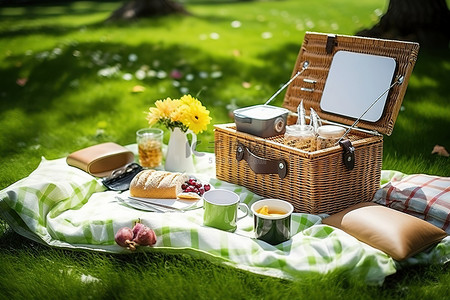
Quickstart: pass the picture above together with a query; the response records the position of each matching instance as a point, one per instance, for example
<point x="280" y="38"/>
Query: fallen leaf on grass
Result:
<point x="21" y="81"/>
<point x="440" y="150"/>
<point x="236" y="53"/>
<point x="246" y="85"/>
<point x="138" y="89"/>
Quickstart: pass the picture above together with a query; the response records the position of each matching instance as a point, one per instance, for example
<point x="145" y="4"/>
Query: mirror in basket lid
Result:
<point x="261" y="120"/>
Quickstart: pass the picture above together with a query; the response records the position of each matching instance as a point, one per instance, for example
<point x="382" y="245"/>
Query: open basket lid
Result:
<point x="346" y="74"/>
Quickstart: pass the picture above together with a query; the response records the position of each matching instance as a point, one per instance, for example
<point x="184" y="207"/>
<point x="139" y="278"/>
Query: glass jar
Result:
<point x="328" y="135"/>
<point x="300" y="136"/>
<point x="149" y="141"/>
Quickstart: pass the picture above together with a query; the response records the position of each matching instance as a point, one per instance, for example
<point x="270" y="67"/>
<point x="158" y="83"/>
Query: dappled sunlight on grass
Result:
<point x="67" y="71"/>
<point x="97" y="79"/>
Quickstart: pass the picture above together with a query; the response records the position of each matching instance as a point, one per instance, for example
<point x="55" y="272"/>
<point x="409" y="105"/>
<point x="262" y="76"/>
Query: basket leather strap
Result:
<point x="261" y="165"/>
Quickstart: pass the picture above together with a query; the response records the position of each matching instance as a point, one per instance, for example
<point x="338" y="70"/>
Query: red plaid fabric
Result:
<point x="424" y="196"/>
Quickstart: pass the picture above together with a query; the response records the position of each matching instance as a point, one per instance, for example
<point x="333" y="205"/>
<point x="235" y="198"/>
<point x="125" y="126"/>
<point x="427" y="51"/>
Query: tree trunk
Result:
<point x="147" y="8"/>
<point x="423" y="21"/>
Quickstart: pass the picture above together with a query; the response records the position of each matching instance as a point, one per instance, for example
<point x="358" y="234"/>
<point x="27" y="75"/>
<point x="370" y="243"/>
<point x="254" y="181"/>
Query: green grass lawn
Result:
<point x="66" y="82"/>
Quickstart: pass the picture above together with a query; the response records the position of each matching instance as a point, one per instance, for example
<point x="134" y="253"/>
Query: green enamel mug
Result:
<point x="272" y="220"/>
<point x="221" y="209"/>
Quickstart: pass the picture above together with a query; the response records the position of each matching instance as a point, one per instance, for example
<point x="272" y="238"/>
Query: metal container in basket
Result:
<point x="261" y="120"/>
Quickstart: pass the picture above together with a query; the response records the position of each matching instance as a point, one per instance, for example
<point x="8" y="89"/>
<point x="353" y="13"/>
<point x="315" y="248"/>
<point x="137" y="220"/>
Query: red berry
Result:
<point x="201" y="191"/>
<point x="192" y="181"/>
<point x="207" y="187"/>
<point x="184" y="186"/>
<point x="198" y="185"/>
<point x="189" y="189"/>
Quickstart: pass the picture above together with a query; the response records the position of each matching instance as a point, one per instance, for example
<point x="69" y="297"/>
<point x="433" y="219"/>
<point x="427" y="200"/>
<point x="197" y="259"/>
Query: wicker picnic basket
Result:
<point x="317" y="181"/>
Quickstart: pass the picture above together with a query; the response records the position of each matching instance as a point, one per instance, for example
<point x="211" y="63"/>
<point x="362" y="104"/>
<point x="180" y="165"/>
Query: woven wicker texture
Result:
<point x="314" y="51"/>
<point x="318" y="181"/>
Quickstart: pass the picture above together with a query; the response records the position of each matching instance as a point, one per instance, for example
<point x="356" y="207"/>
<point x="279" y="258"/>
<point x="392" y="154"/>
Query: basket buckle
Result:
<point x="349" y="154"/>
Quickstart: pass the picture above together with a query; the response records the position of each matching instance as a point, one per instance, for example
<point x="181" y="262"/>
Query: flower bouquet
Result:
<point x="182" y="116"/>
<point x="184" y="113"/>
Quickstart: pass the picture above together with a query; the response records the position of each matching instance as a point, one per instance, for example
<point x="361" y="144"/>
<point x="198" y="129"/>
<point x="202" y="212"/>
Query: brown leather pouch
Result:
<point x="100" y="160"/>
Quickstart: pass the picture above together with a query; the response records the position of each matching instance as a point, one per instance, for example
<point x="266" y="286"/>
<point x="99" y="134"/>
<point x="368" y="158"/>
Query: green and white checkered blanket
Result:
<point x="65" y="207"/>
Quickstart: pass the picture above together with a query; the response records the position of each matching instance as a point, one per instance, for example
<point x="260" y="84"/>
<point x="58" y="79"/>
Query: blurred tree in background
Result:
<point x="147" y="8"/>
<point x="133" y="9"/>
<point x="423" y="21"/>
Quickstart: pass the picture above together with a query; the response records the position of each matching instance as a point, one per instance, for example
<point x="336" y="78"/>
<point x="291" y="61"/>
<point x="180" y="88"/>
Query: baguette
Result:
<point x="157" y="184"/>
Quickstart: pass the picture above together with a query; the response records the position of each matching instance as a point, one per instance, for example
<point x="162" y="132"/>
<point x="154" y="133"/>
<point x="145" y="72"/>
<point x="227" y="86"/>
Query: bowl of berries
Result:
<point x="193" y="189"/>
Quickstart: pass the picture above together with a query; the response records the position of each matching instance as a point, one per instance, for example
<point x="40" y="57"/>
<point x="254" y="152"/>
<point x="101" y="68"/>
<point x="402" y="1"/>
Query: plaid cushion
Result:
<point x="424" y="196"/>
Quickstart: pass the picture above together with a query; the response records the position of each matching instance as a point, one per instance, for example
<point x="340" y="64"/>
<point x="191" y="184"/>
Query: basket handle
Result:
<point x="261" y="165"/>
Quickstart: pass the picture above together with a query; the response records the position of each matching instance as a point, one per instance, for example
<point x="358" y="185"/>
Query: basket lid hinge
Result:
<point x="331" y="43"/>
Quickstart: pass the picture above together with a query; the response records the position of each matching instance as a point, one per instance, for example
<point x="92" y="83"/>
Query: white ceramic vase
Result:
<point x="179" y="152"/>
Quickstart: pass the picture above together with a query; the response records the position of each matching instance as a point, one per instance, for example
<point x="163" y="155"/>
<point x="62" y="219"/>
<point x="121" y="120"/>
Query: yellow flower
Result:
<point x="163" y="110"/>
<point x="185" y="113"/>
<point x="178" y="115"/>
<point x="153" y="116"/>
<point x="188" y="99"/>
<point x="167" y="106"/>
<point x="195" y="115"/>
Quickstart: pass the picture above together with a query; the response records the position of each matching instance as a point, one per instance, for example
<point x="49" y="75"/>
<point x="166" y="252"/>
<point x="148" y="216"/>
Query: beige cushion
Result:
<point x="395" y="233"/>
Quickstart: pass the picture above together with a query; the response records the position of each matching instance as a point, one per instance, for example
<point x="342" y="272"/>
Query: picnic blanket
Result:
<point x="62" y="206"/>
